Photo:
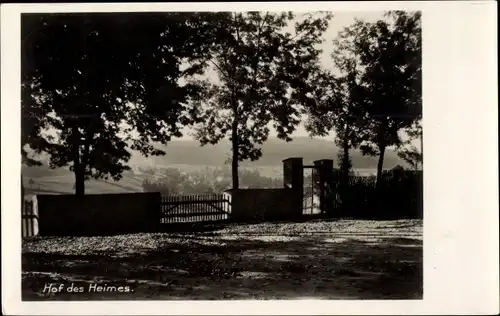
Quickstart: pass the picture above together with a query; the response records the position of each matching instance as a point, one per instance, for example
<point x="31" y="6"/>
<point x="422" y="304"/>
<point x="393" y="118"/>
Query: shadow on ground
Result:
<point x="220" y="265"/>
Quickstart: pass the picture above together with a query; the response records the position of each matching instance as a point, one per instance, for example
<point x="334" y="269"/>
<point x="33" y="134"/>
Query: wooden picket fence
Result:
<point x="29" y="220"/>
<point x="194" y="208"/>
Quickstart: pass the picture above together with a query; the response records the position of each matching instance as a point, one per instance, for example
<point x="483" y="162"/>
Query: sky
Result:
<point x="338" y="23"/>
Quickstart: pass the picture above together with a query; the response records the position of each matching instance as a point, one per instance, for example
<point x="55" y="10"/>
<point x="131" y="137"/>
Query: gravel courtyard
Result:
<point x="344" y="259"/>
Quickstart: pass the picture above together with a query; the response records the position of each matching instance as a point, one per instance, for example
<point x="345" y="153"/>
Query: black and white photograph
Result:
<point x="228" y="155"/>
<point x="222" y="155"/>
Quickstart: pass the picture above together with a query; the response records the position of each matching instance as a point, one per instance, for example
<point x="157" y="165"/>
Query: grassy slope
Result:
<point x="42" y="180"/>
<point x="63" y="181"/>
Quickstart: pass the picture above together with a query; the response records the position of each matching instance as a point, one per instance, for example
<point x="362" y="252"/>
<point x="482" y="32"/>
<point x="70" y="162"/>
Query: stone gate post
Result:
<point x="293" y="179"/>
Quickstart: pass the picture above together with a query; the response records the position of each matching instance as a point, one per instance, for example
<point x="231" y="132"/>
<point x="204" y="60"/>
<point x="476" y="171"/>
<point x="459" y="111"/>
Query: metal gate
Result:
<point x="312" y="192"/>
<point x="320" y="190"/>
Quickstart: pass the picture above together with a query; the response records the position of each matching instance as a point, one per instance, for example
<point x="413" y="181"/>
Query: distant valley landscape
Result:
<point x="274" y="150"/>
<point x="188" y="156"/>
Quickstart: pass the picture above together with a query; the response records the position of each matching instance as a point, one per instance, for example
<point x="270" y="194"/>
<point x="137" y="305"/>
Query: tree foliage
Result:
<point x="388" y="58"/>
<point x="410" y="153"/>
<point x="113" y="86"/>
<point x="332" y="108"/>
<point x="261" y="73"/>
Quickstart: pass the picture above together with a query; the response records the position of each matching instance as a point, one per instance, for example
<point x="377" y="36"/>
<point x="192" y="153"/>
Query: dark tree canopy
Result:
<point x="105" y="83"/>
<point x="380" y="84"/>
<point x="392" y="56"/>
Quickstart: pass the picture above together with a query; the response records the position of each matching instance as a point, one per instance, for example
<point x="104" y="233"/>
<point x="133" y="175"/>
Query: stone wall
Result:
<point x="255" y="205"/>
<point x="99" y="214"/>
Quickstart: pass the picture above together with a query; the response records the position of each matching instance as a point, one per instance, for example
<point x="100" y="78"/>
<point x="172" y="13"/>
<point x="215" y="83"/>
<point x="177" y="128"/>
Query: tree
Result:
<point x="332" y="107"/>
<point x="389" y="56"/>
<point x="410" y="153"/>
<point x="261" y="70"/>
<point x="171" y="181"/>
<point x="113" y="86"/>
<point x="30" y="133"/>
<point x="398" y="168"/>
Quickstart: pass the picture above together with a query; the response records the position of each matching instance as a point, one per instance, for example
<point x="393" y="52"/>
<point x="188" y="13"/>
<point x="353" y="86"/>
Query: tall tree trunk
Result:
<point x="235" y="158"/>
<point x="381" y="143"/>
<point x="22" y="192"/>
<point x="345" y="157"/>
<point x="421" y="150"/>
<point x="380" y="163"/>
<point x="78" y="167"/>
<point x="80" y="180"/>
<point x="344" y="175"/>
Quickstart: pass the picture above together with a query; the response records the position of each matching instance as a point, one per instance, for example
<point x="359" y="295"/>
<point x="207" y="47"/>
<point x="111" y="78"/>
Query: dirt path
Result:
<point x="322" y="260"/>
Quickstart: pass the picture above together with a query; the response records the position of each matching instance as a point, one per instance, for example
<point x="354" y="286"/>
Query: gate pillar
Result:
<point x="293" y="179"/>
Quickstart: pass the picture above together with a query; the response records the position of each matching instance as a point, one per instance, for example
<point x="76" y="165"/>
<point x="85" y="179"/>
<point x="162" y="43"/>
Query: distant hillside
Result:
<point x="189" y="156"/>
<point x="190" y="152"/>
